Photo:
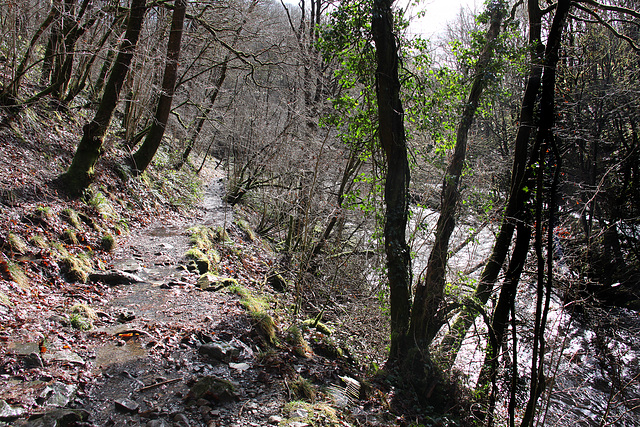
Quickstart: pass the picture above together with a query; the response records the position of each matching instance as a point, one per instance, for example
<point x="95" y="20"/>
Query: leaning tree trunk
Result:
<point x="147" y="150"/>
<point x="426" y="318"/>
<point x="81" y="171"/>
<point x="393" y="141"/>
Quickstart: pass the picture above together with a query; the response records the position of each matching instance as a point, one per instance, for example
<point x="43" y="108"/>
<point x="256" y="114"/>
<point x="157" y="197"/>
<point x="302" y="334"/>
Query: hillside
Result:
<point x="107" y="319"/>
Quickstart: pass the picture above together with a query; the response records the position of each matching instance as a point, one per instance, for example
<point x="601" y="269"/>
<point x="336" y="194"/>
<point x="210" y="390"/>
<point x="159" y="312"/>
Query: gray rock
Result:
<point x="299" y="413"/>
<point x="64" y="356"/>
<point x="8" y="412"/>
<point x="181" y="418"/>
<point x="212" y="389"/>
<point x="126" y="405"/>
<point x="32" y="360"/>
<point x="57" y="394"/>
<point x="158" y="423"/>
<point x="58" y="417"/>
<point x="222" y="351"/>
<point x="275" y="420"/>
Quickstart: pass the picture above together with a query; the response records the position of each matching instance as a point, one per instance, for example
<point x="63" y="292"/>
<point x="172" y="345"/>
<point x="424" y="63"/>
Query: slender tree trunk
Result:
<point x="216" y="91"/>
<point x="52" y="45"/>
<point x="545" y="135"/>
<point x="517" y="198"/>
<point x="81" y="171"/>
<point x="147" y="150"/>
<point x="425" y="317"/>
<point x="11" y="92"/>
<point x="393" y="141"/>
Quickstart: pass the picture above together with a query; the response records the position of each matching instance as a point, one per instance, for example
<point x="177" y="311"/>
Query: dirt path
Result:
<point x="159" y="331"/>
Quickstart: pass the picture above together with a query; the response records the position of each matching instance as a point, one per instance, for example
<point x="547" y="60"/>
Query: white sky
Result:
<point x="438" y="14"/>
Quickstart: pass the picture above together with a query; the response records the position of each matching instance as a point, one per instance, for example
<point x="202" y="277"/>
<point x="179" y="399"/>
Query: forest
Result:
<point x="462" y="214"/>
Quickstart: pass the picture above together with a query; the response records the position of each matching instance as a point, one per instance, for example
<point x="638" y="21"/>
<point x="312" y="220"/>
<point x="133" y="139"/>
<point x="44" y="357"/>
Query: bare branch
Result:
<point x="615" y="32"/>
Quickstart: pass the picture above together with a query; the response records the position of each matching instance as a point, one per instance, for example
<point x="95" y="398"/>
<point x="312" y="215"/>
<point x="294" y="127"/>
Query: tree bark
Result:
<point x="426" y="318"/>
<point x="517" y="197"/>
<point x="81" y="171"/>
<point x="393" y="141"/>
<point x="147" y="150"/>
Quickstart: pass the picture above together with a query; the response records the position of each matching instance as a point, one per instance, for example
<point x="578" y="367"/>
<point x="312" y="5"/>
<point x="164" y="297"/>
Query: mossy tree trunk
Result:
<point x="393" y="141"/>
<point x="149" y="147"/>
<point x="81" y="171"/>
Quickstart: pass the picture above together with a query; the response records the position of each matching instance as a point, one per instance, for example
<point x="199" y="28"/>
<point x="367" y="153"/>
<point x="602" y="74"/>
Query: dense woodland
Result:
<point x="369" y="158"/>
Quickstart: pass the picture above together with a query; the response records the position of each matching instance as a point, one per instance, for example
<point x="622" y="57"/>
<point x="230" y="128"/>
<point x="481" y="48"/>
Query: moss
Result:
<point x="71" y="217"/>
<point x="202" y="261"/>
<point x="246" y="228"/>
<point x="294" y="337"/>
<point x="248" y="300"/>
<point x="205" y="238"/>
<point x="103" y="206"/>
<point x="44" y="213"/>
<point x="319" y="414"/>
<point x="266" y="326"/>
<point x="81" y="317"/>
<point x="38" y="241"/>
<point x="319" y="326"/>
<point x="107" y="243"/>
<point x="69" y="236"/>
<point x="77" y="267"/>
<point x="302" y="389"/>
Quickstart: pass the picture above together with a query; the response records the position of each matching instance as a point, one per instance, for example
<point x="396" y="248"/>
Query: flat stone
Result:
<point x="32" y="361"/>
<point x="64" y="356"/>
<point x="58" y="417"/>
<point x="57" y="394"/>
<point x="239" y="366"/>
<point x="127" y="405"/>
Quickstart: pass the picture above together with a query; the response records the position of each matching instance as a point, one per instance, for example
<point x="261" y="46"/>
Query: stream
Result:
<point x="591" y="362"/>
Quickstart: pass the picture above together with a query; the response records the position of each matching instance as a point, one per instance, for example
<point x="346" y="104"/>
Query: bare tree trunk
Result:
<point x="81" y="171"/>
<point x="147" y="150"/>
<point x="11" y="92"/>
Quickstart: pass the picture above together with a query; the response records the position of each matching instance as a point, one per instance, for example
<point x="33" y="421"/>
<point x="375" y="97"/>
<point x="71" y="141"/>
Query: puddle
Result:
<point x="111" y="353"/>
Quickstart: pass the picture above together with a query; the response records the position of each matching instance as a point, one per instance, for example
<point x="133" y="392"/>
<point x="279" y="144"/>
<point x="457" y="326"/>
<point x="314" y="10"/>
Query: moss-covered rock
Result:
<point x="107" y="243"/>
<point x="212" y="389"/>
<point x="71" y="217"/>
<point x="202" y="261"/>
<point x="295" y="338"/>
<point x="77" y="267"/>
<point x="81" y="317"/>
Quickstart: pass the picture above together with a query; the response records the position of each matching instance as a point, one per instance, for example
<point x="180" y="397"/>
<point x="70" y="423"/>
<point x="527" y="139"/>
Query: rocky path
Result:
<point x="178" y="355"/>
